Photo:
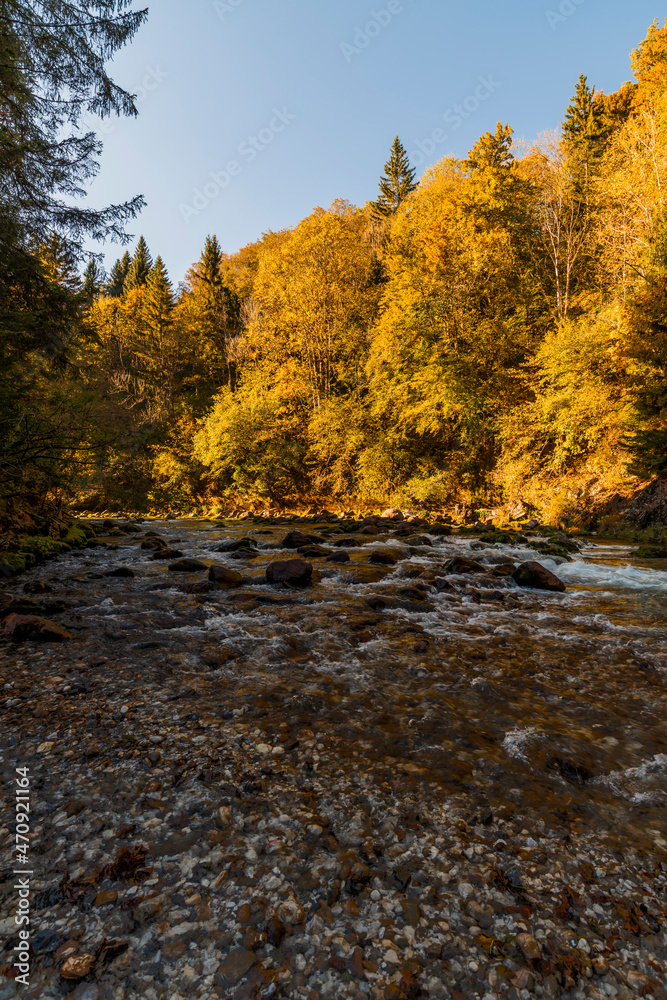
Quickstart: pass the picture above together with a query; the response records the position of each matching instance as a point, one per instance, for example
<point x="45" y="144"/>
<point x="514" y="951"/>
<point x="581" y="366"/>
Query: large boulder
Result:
<point x="536" y="577"/>
<point x="19" y="628"/>
<point x="223" y="577"/>
<point x="295" y="572"/>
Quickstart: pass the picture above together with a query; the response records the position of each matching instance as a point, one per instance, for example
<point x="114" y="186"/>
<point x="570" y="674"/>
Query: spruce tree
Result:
<point x="397" y="183"/>
<point x="52" y="67"/>
<point x="493" y="150"/>
<point x="93" y="280"/>
<point x="219" y="309"/>
<point x="158" y="300"/>
<point x="584" y="131"/>
<point x="116" y="284"/>
<point x="140" y="268"/>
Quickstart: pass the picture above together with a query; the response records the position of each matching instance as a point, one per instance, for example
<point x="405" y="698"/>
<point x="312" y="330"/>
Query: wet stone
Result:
<point x="188" y="566"/>
<point x="235" y="966"/>
<point x="535" y="576"/>
<point x="296" y="572"/>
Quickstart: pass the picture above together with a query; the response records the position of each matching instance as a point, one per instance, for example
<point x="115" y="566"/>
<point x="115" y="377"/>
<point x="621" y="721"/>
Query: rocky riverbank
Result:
<point x="352" y="759"/>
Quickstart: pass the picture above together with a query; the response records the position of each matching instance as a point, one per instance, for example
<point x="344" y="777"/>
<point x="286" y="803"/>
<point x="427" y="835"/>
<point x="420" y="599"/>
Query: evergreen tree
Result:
<point x="493" y="150"/>
<point x="59" y="262"/>
<point x="158" y="301"/>
<point x="218" y="309"/>
<point x="140" y="268"/>
<point x="397" y="183"/>
<point x="116" y="283"/>
<point x="647" y="348"/>
<point x="158" y="353"/>
<point x="93" y="280"/>
<point x="52" y="67"/>
<point x="584" y="132"/>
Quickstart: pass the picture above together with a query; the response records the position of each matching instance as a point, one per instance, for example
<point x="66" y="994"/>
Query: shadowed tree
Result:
<point x="115" y="286"/>
<point x="140" y="268"/>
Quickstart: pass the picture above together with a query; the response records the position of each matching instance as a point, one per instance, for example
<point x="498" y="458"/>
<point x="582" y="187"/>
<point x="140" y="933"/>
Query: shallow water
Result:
<point x="555" y="701"/>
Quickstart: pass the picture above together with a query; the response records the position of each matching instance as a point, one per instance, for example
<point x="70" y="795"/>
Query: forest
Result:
<point x="495" y="331"/>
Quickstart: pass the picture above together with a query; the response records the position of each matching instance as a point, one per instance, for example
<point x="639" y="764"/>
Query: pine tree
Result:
<point x="493" y="150"/>
<point x="116" y="284"/>
<point x="158" y="301"/>
<point x="140" y="268"/>
<point x="93" y="280"/>
<point x="158" y="353"/>
<point x="52" y="67"/>
<point x="218" y="309"/>
<point x="397" y="183"/>
<point x="584" y="131"/>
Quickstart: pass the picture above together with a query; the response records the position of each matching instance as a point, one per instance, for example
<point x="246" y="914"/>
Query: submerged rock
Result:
<point x="223" y="577"/>
<point x="536" y="577"/>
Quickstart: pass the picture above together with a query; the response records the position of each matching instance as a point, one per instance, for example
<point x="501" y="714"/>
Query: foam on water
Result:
<point x="516" y="740"/>
<point x="645" y="784"/>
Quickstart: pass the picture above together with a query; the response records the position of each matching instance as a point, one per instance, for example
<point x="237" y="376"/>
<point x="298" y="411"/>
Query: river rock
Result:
<point x="384" y="557"/>
<point x="536" y="577"/>
<point x="188" y="566"/>
<point x="153" y="543"/>
<point x="124" y="572"/>
<point x="418" y="540"/>
<point x="223" y="577"/>
<point x="459" y="564"/>
<point x="19" y="628"/>
<point x="393" y="514"/>
<point x="236" y="544"/>
<point x="296" y="572"/>
<point x="163" y="553"/>
<point x="338" y="557"/>
<point x="442" y="530"/>
<point x="314" y="551"/>
<point x="295" y="540"/>
<point x="236" y="965"/>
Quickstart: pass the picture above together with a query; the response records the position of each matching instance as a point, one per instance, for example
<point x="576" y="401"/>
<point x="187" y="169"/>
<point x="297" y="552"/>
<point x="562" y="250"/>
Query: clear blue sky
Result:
<point x="304" y="107"/>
